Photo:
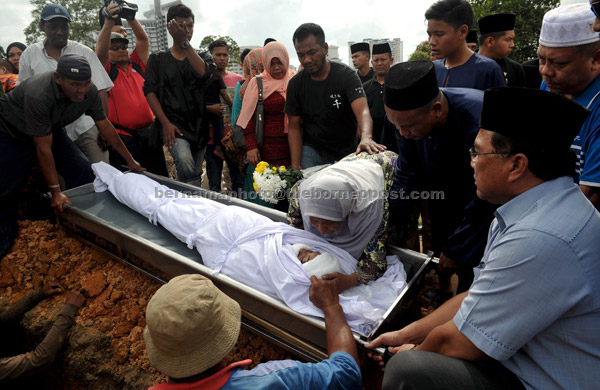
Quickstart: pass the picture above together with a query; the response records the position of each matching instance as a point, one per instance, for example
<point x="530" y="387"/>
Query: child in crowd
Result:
<point x="8" y="76"/>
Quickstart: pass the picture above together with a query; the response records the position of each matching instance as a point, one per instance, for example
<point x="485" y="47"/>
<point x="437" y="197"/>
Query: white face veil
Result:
<point x="351" y="192"/>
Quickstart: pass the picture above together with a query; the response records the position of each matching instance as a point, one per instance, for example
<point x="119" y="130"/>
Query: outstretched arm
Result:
<point x="323" y="295"/>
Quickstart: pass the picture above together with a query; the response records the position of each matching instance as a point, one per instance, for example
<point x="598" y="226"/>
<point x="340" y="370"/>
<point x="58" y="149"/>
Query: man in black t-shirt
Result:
<point x="32" y="121"/>
<point x="382" y="61"/>
<point x="361" y="54"/>
<point x="324" y="102"/>
<point x="174" y="87"/>
<point x="497" y="42"/>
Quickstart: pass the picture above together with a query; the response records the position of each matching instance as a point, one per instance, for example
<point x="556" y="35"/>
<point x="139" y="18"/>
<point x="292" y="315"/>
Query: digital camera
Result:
<point x="126" y="10"/>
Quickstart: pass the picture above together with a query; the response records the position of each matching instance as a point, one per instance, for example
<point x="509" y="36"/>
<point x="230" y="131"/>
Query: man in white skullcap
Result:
<point x="569" y="53"/>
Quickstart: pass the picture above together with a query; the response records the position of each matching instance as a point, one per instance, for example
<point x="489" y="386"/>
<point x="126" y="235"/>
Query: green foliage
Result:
<point x="528" y="23"/>
<point x="234" y="49"/>
<point x="84" y="21"/>
<point x="421" y="52"/>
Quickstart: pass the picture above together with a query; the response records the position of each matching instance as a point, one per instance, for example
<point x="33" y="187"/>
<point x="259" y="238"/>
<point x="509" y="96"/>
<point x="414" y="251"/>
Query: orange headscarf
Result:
<point x="253" y="65"/>
<point x="270" y="85"/>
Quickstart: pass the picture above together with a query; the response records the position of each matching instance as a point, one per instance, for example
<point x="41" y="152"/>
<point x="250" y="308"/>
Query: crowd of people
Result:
<point x="514" y="153"/>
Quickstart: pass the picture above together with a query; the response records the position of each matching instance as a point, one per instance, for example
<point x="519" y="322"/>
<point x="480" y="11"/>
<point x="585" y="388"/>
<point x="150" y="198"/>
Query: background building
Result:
<point x="396" y="44"/>
<point x="333" y="54"/>
<point x="155" y="25"/>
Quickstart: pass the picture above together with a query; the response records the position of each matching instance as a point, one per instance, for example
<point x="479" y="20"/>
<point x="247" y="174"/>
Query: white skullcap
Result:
<point x="569" y="25"/>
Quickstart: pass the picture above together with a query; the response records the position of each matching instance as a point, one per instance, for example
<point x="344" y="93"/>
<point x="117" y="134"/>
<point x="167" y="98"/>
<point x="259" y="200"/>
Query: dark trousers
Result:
<point x="16" y="159"/>
<point x="431" y="371"/>
<point x="151" y="158"/>
<point x="214" y="171"/>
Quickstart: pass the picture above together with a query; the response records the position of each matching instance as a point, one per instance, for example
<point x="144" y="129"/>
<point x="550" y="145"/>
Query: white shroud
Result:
<point x="251" y="248"/>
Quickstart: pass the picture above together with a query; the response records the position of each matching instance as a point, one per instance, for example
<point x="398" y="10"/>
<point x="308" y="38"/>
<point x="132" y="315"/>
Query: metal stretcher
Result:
<point x="104" y="222"/>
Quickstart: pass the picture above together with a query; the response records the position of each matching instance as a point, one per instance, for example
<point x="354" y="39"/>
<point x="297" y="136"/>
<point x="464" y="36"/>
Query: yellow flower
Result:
<point x="282" y="168"/>
<point x="274" y="169"/>
<point x="255" y="186"/>
<point x="259" y="168"/>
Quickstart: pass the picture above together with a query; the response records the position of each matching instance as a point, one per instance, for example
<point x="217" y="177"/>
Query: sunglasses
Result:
<point x="118" y="47"/>
<point x="595" y="6"/>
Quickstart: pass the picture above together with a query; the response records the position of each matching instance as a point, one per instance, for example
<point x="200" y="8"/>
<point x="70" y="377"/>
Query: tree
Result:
<point x="84" y="16"/>
<point x="234" y="49"/>
<point x="527" y="25"/>
<point x="421" y="52"/>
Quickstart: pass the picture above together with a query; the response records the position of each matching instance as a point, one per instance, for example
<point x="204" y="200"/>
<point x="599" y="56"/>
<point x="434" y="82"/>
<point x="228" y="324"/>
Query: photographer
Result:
<point x="128" y="109"/>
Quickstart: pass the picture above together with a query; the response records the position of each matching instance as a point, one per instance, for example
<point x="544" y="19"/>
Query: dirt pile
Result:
<point x="105" y="349"/>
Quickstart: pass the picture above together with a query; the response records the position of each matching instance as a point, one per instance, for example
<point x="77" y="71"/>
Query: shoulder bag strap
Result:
<point x="260" y="112"/>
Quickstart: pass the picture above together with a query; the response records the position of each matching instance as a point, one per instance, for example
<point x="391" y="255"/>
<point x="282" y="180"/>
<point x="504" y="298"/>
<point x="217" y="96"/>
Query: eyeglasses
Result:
<point x="595" y="6"/>
<point x="118" y="47"/>
<point x="474" y="154"/>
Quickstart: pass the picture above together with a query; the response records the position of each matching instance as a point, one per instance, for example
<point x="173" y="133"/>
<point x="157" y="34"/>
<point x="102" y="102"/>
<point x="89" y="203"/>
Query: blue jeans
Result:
<point x="312" y="158"/>
<point x="188" y="161"/>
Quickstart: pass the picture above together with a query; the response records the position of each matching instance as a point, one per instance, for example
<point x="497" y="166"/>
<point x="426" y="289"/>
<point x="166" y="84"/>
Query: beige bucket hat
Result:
<point x="190" y="326"/>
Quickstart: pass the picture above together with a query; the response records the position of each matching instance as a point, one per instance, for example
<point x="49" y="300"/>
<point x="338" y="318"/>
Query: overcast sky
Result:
<point x="250" y="22"/>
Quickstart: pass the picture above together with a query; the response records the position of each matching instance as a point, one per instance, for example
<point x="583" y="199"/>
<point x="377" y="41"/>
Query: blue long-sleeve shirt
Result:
<point x="439" y="165"/>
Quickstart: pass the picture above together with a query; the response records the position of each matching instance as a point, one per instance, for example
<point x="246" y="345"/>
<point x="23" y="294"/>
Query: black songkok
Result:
<point x="74" y="67"/>
<point x="496" y="23"/>
<point x="360" y="46"/>
<point x="542" y="120"/>
<point x="382" y="48"/>
<point x="472" y="36"/>
<point x="410" y="85"/>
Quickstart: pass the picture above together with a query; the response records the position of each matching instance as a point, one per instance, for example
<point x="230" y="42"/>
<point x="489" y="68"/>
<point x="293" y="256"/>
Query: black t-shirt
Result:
<point x="215" y="84"/>
<point x="374" y="92"/>
<point x="37" y="107"/>
<point x="180" y="91"/>
<point x="367" y="77"/>
<point x="513" y="72"/>
<point x="328" y="122"/>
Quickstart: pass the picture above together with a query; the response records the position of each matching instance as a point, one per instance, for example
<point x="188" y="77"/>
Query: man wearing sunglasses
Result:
<point x="569" y="54"/>
<point x="128" y="109"/>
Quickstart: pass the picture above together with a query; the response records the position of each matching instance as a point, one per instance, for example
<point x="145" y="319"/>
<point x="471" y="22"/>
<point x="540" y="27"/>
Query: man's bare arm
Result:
<point x="295" y="140"/>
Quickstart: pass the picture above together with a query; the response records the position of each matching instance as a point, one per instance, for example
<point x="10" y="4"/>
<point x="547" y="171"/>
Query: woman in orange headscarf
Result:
<point x="275" y="149"/>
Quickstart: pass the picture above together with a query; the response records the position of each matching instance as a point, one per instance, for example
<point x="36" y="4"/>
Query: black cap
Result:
<point x="360" y="46"/>
<point x="410" y="85"/>
<point x="472" y="36"/>
<point x="118" y="37"/>
<point x="15" y="44"/>
<point x="74" y="67"/>
<point x="269" y="40"/>
<point x="51" y="11"/>
<point x="539" y="119"/>
<point x="496" y="23"/>
<point x="381" y="48"/>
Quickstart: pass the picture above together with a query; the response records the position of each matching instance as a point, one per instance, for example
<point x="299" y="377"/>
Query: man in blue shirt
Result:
<point x="530" y="319"/>
<point x="434" y="131"/>
<point x="570" y="66"/>
<point x="448" y="23"/>
<point x="191" y="326"/>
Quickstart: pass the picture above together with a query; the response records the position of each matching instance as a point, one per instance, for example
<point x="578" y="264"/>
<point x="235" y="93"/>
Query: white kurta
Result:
<point x="251" y="248"/>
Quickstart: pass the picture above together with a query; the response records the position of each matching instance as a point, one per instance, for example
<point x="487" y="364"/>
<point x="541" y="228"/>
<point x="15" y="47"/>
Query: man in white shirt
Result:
<point x="43" y="57"/>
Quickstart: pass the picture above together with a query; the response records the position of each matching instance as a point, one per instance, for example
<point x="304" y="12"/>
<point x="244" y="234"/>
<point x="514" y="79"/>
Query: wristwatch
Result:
<point x="184" y="45"/>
